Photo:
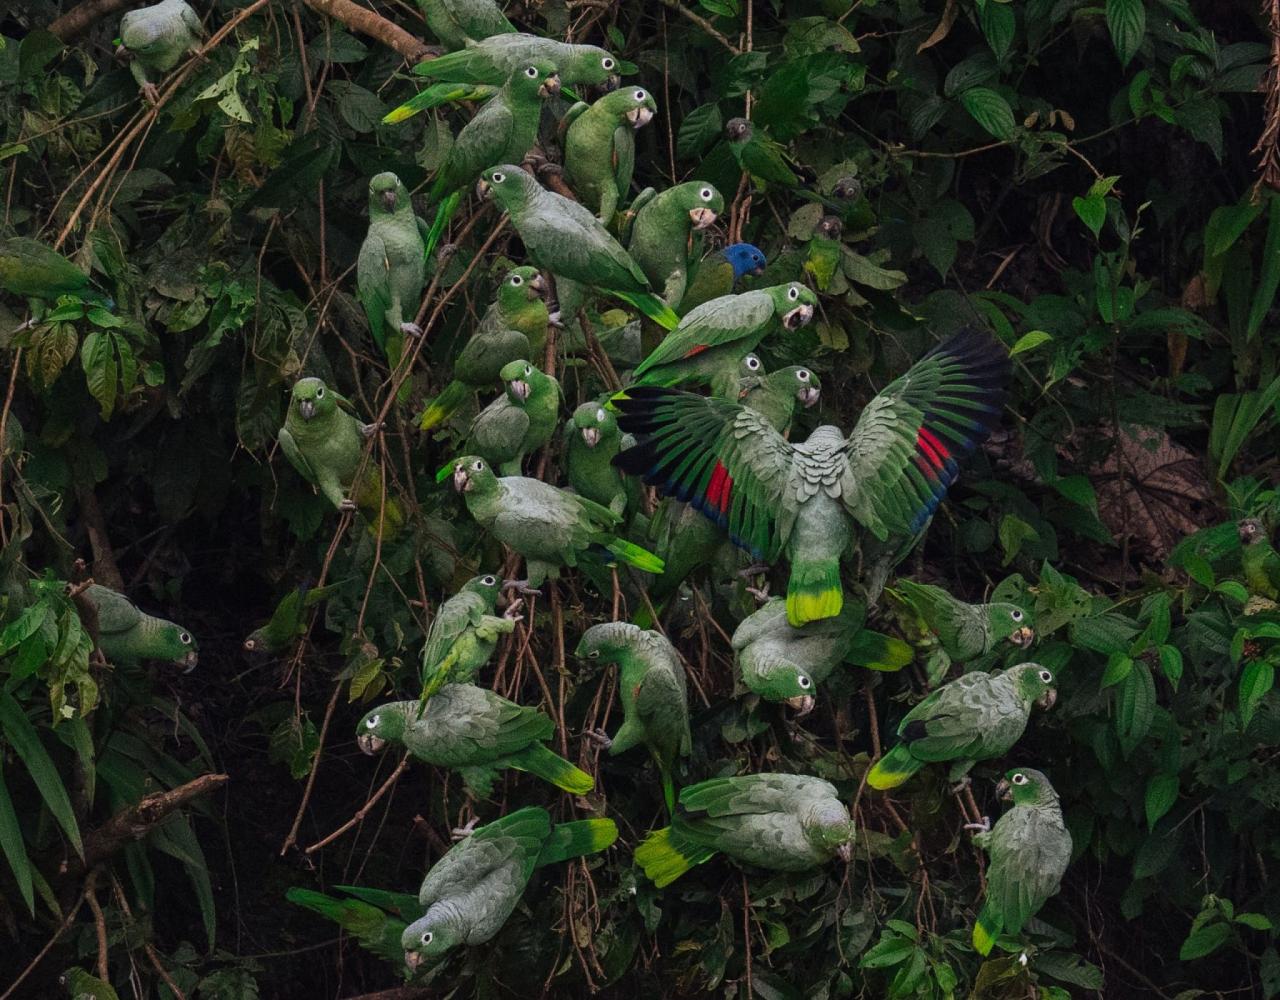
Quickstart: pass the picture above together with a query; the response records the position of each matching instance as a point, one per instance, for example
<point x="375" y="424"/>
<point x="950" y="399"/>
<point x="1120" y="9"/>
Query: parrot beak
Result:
<point x="370" y="744"/>
<point x="639" y="117"/>
<point x="1023" y="637"/>
<point x="250" y="645"/>
<point x="1004" y="791"/>
<point x="412" y="959"/>
<point x="612" y="83"/>
<point x="808" y="396"/>
<point x="845" y="852"/>
<point x="518" y="388"/>
<point x="702" y="217"/>
<point x="123" y="54"/>
<point x="1047" y="700"/>
<point x="797" y="317"/>
<point x="538" y="285"/>
<point x="461" y="481"/>
<point x="307" y="409"/>
<point x="389" y="199"/>
<point x="189" y="661"/>
<point x="803" y="704"/>
<point x="591" y="435"/>
<point x="550" y="86"/>
<point x="482" y="190"/>
<point x="757" y="270"/>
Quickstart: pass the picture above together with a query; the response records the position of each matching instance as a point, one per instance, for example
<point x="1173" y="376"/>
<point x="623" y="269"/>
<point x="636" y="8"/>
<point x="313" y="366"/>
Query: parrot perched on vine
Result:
<point x="324" y="441"/>
<point x="600" y="147"/>
<point x="763" y="160"/>
<point x="592" y="439"/>
<point x="975" y="717"/>
<point x="374" y="918"/>
<point x="457" y="23"/>
<point x="513" y="327"/>
<point x="391" y="268"/>
<point x="464" y="633"/>
<point x="521" y="420"/>
<point x="780" y="822"/>
<point x="470" y="892"/>
<point x="548" y="526"/>
<point x="652" y="687"/>
<point x="779" y="499"/>
<point x="1259" y="560"/>
<point x="126" y="635"/>
<point x="474" y="731"/>
<point x="565" y="238"/>
<point x="825" y="250"/>
<point x="719" y="272"/>
<point x="34" y="271"/>
<point x="82" y="985"/>
<point x="711" y="341"/>
<point x="961" y="631"/>
<point x="288" y="621"/>
<point x="1029" y="848"/>
<point x="154" y="38"/>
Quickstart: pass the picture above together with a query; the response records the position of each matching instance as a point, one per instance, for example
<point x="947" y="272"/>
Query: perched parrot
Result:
<point x="324" y="441"/>
<point x="763" y="160"/>
<point x="592" y="439"/>
<point x="521" y="420"/>
<point x="780" y="822"/>
<point x="32" y="270"/>
<point x="600" y="147"/>
<point x="825" y="251"/>
<point x="1029" y="848"/>
<point x="391" y="268"/>
<point x="464" y="633"/>
<point x="1259" y="560"/>
<point x="662" y="236"/>
<point x="975" y="717"/>
<point x="563" y="237"/>
<point x="503" y="131"/>
<point x="155" y="38"/>
<point x="470" y="892"/>
<point x="799" y="500"/>
<point x="374" y="918"/>
<point x="474" y="731"/>
<point x="82" y="985"/>
<point x="513" y="327"/>
<point x="962" y="631"/>
<point x="651" y="685"/>
<point x="548" y="526"/>
<point x="775" y="396"/>
<point x="711" y="341"/>
<point x="127" y="635"/>
<point x="456" y="23"/>
<point x="719" y="272"/>
<point x="288" y="622"/>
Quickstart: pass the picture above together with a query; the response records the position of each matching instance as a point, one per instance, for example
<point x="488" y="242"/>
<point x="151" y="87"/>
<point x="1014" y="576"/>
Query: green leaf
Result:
<point x="1171" y="664"/>
<point x="1226" y="225"/>
<point x="698" y="130"/>
<point x="1127" y="22"/>
<point x="889" y="950"/>
<point x="1204" y="941"/>
<point x="1013" y="532"/>
<point x="1257" y="921"/>
<point x="1029" y="341"/>
<point x="1234" y="590"/>
<point x="360" y="108"/>
<point x="22" y="736"/>
<point x="1092" y="211"/>
<point x="1136" y="707"/>
<point x="998" y="25"/>
<point x="1256" y="680"/>
<point x="1269" y="279"/>
<point x="989" y="110"/>
<point x="1162" y="793"/>
<point x="1118" y="668"/>
<point x="15" y="849"/>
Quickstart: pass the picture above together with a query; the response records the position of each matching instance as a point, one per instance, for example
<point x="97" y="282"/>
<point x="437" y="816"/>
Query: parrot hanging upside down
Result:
<point x="155" y="38"/>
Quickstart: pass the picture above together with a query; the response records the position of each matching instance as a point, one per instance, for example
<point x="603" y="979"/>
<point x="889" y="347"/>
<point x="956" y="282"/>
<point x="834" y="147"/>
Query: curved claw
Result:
<point x="513" y="609"/>
<point x="347" y="506"/>
<point x="369" y="430"/>
<point x="983" y="827"/>
<point x="411" y="329"/>
<point x="522" y="587"/>
<point x="150" y="93"/>
<point x="598" y="736"/>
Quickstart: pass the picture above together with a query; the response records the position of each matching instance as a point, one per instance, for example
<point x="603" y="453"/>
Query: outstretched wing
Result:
<point x="721" y="457"/>
<point x="902" y="456"/>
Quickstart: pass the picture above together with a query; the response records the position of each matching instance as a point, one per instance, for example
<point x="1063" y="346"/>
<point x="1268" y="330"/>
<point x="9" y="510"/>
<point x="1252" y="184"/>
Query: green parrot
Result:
<point x="374" y="918"/>
<point x="662" y="234"/>
<point x="464" y="634"/>
<point x="825" y="251"/>
<point x="513" y="327"/>
<point x="470" y="892"/>
<point x="975" y="717"/>
<point x="961" y="631"/>
<point x="391" y="268"/>
<point x="651" y="685"/>
<point x="548" y="526"/>
<point x="521" y="420"/>
<point x="775" y="396"/>
<point x="719" y="272"/>
<point x="155" y="38"/>
<point x="777" y="498"/>
<point x="127" y="635"/>
<point x="600" y="147"/>
<point x="563" y="237"/>
<point x="83" y="986"/>
<point x="763" y="160"/>
<point x="780" y="822"/>
<point x="324" y="441"/>
<point x="32" y="270"/>
<point x="1029" y="848"/>
<point x="592" y="439"/>
<point x="288" y="622"/>
<point x="503" y="131"/>
<point x="456" y="23"/>
<point x="1259" y="560"/>
<point x="711" y="341"/>
<point x="476" y="732"/>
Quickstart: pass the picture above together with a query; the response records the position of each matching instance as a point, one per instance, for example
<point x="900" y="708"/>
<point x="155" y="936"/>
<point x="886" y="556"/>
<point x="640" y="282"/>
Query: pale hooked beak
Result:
<point x="307" y="409"/>
<point x="389" y="199"/>
<point x="412" y="959"/>
<point x="250" y="645"/>
<point x="808" y="396"/>
<point x="1023" y="637"/>
<point x="461" y="481"/>
<point x="1004" y="791"/>
<point x="797" y="317"/>
<point x="639" y="117"/>
<point x="702" y="217"/>
<point x="482" y="190"/>
<point x="550" y="86"/>
<point x="803" y="704"/>
<point x="1048" y="699"/>
<point x="537" y="284"/>
<point x="591" y="435"/>
<point x="845" y="852"/>
<point x="189" y="661"/>
<point x="370" y="744"/>
<point x="518" y="388"/>
<point x="123" y="54"/>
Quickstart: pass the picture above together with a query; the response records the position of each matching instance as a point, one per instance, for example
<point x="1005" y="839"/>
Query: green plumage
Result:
<point x="766" y="162"/>
<point x="965" y="631"/>
<point x="154" y="39"/>
<point x="715" y="275"/>
<point x="475" y="731"/>
<point x="775" y="396"/>
<point x="455" y="23"/>
<point x="652" y="688"/>
<point x="374" y="918"/>
<point x="288" y="621"/>
<point x="592" y="439"/>
<point x="491" y="60"/>
<point x="519" y="421"/>
<point x="600" y="147"/>
<point x="780" y="822"/>
<point x="83" y="986"/>
<point x="663" y="236"/>
<point x="463" y="635"/>
<point x="127" y="635"/>
<point x="391" y="268"/>
<point x="32" y="270"/>
<point x="1259" y="560"/>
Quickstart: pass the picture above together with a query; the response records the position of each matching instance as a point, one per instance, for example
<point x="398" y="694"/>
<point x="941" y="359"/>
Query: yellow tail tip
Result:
<point x="807" y="606"/>
<point x="882" y="780"/>
<point x="397" y="115"/>
<point x="577" y="782"/>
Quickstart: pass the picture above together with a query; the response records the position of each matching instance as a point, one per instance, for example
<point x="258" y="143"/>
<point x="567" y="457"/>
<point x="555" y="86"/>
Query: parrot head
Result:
<point x="470" y="472"/>
<point x="256" y="642"/>
<point x="785" y="682"/>
<point x="522" y="285"/>
<point x="177" y="646"/>
<point x="488" y="586"/>
<point x="702" y="201"/>
<point x="592" y="65"/>
<point x="507" y="184"/>
<point x="594" y="423"/>
<point x="311" y="398"/>
<point x="381" y="726"/>
<point x="745" y="258"/>
<point x="538" y="77"/>
<point x="1035" y="684"/>
<point x="847" y="188"/>
<point x="804" y="383"/>
<point x="426" y="938"/>
<point x="1024" y="786"/>
<point x="750" y="374"/>
<point x="830" y="227"/>
<point x="1251" y="531"/>
<point x="738" y="130"/>
<point x="518" y="376"/>
<point x="794" y="302"/>
<point x="828" y="821"/>
<point x="1010" y="622"/>
<point x="387" y="194"/>
<point x="634" y="105"/>
<point x="606" y="642"/>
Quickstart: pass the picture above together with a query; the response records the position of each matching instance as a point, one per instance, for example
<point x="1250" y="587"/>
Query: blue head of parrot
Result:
<point x="745" y="258"/>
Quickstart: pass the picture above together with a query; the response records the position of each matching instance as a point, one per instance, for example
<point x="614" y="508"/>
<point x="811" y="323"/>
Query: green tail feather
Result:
<point x="374" y="929"/>
<point x="548" y="766"/>
<point x="877" y="651"/>
<point x="444" y="405"/>
<point x="651" y="306"/>
<point x="665" y="856"/>
<point x="577" y="839"/>
<point x="668" y="791"/>
<point x="893" y="768"/>
<point x="443" y="214"/>
<point x="814" y="591"/>
<point x="635" y="556"/>
<point x="986" y="929"/>
<point x="435" y="95"/>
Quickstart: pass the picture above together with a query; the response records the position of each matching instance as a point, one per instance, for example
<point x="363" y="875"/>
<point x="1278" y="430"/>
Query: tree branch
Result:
<point x="77" y="20"/>
<point x="374" y="25"/>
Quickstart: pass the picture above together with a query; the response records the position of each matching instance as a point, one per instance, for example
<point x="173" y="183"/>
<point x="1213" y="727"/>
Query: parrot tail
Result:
<point x="548" y="766"/>
<point x="668" y="790"/>
<point x="635" y="556"/>
<point x="577" y="839"/>
<point x="814" y="592"/>
<point x="651" y="306"/>
<point x="665" y="855"/>
<point x="435" y="95"/>
<point x="986" y="929"/>
<point x="877" y="651"/>
<point x="444" y="405"/>
<point x="443" y="214"/>
<point x="893" y="768"/>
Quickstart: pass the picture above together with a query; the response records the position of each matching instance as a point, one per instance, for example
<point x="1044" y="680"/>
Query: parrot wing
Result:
<point x="759" y="793"/>
<point x="373" y="283"/>
<point x="294" y="454"/>
<point x="456" y="615"/>
<point x="1027" y="862"/>
<point x="499" y="429"/>
<point x="570" y="241"/>
<point x="192" y="21"/>
<point x="374" y="928"/>
<point x="948" y="724"/>
<point x="116" y="613"/>
<point x="720" y="321"/>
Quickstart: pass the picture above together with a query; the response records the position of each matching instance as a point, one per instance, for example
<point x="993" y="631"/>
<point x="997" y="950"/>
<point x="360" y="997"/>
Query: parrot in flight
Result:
<point x="469" y="893"/>
<point x="780" y="822"/>
<point x="458" y="23"/>
<point x="127" y="635"/>
<point x="651" y="685"/>
<point x="474" y="731"/>
<point x="374" y="918"/>
<point x="32" y="270"/>
<point x="391" y="268"/>
<point x="975" y="717"/>
<point x="154" y="38"/>
<point x="592" y="439"/>
<point x="563" y="237"/>
<point x="600" y="147"/>
<point x="1029" y="848"/>
<point x="513" y="327"/>
<point x="1259" y="560"/>
<point x="521" y="420"/>
<point x="800" y="500"/>
<point x="719" y="272"/>
<point x="324" y="441"/>
<point x="464" y="633"/>
<point x="547" y="525"/>
<point x="962" y="631"/>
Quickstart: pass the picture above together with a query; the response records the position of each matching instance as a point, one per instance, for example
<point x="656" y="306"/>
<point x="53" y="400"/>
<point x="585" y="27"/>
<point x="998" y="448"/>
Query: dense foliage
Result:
<point x="1078" y="178"/>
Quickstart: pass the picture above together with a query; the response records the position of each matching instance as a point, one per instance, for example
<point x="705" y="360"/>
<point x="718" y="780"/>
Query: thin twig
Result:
<point x="365" y="809"/>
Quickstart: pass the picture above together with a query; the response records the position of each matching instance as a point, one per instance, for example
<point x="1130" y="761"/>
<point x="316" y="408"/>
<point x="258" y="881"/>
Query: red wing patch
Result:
<point x="697" y="349"/>
<point x="933" y="449"/>
<point x="720" y="488"/>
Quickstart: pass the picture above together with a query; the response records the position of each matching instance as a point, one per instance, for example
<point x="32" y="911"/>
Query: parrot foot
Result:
<point x="755" y="569"/>
<point x="411" y="329"/>
<point x="512" y="613"/>
<point x="556" y="320"/>
<point x="761" y="594"/>
<point x="150" y="93"/>
<point x="598" y="736"/>
<point x="522" y="587"/>
<point x="961" y="785"/>
<point x="347" y="506"/>
<point x="983" y="827"/>
<point x="369" y="430"/>
<point x="462" y="832"/>
<point x="446" y="251"/>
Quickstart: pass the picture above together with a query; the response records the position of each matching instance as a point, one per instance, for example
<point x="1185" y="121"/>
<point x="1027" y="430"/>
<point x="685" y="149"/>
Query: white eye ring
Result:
<point x="185" y="638"/>
<point x="706" y="194"/>
<point x="528" y="369"/>
<point x="1046" y="676"/>
<point x="804" y="682"/>
<point x="499" y="177"/>
<point x="640" y="95"/>
<point x="593" y="655"/>
<point x="488" y="581"/>
<point x="427" y="937"/>
<point x="793" y="293"/>
<point x="607" y="62"/>
<point x="1016" y="614"/>
<point x="531" y="72"/>
<point x="600" y="416"/>
<point x="478" y="465"/>
<point x="320" y="393"/>
<point x="753" y="362"/>
<point x="1019" y="779"/>
<point x="803" y="375"/>
<point x="516" y="280"/>
<point x="372" y="722"/>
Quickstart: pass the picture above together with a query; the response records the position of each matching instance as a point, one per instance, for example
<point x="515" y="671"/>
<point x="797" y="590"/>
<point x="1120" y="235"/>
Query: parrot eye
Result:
<point x="1046" y="677"/>
<point x="516" y="281"/>
<point x="802" y="375"/>
<point x="528" y="369"/>
<point x="185" y="638"/>
<point x="489" y="581"/>
<point x="427" y="938"/>
<point x="793" y="293"/>
<point x="640" y="95"/>
<point x="478" y="465"/>
<point x="804" y="682"/>
<point x="706" y="194"/>
<point x="594" y="655"/>
<point x="1019" y="778"/>
<point x="499" y="177"/>
<point x="372" y="722"/>
<point x="531" y="72"/>
<point x="753" y="363"/>
<point x="1016" y="615"/>
<point x="608" y="63"/>
<point x="600" y="416"/>
<point x="320" y="393"/>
